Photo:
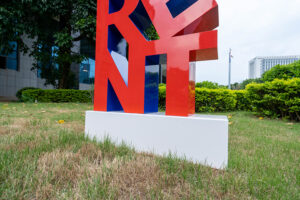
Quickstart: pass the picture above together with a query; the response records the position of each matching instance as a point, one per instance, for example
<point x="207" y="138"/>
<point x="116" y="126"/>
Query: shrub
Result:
<point x="57" y="96"/>
<point x="283" y="72"/>
<point x="276" y="99"/>
<point x="242" y="102"/>
<point x="162" y="97"/>
<point x="214" y="100"/>
<point x="209" y="85"/>
<point x="19" y="93"/>
<point x="207" y="100"/>
<point x="248" y="81"/>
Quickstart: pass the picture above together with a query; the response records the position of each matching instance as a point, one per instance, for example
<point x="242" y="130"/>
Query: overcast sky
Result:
<point x="252" y="28"/>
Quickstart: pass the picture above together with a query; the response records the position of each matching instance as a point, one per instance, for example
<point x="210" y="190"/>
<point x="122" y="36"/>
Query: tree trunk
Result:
<point x="64" y="67"/>
<point x="65" y="75"/>
<point x="64" y="54"/>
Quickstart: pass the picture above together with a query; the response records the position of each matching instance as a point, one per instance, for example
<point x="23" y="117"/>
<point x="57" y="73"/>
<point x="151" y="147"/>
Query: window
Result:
<point x="87" y="66"/>
<point x="87" y="71"/>
<point x="10" y="61"/>
<point x="2" y="62"/>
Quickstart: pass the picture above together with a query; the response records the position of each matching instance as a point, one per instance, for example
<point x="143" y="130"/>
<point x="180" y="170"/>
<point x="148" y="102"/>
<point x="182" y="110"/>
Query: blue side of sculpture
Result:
<point x="151" y="84"/>
<point x="113" y="103"/>
<point x="141" y="19"/>
<point x="114" y="40"/>
<point x="115" y="5"/>
<point x="178" y="6"/>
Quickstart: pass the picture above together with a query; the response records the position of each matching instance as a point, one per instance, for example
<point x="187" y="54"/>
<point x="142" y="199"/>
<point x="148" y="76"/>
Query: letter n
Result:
<point x="119" y="84"/>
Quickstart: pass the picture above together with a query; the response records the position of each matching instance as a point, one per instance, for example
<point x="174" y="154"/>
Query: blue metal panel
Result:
<point x="115" y="38"/>
<point x="113" y="103"/>
<point x="178" y="6"/>
<point x="151" y="84"/>
<point x="141" y="19"/>
<point x="115" y="5"/>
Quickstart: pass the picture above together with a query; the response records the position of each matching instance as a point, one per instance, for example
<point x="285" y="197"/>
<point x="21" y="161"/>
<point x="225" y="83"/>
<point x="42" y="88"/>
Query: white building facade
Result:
<point x="259" y="65"/>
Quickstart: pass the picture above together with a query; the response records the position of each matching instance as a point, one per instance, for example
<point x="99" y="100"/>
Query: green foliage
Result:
<point x="151" y="33"/>
<point x="207" y="100"/>
<point x="214" y="100"/>
<point x="242" y="102"/>
<point x="248" y="81"/>
<point x="49" y="23"/>
<point x="20" y="92"/>
<point x="283" y="72"/>
<point x="235" y="86"/>
<point x="10" y="30"/>
<point x="209" y="85"/>
<point x="277" y="99"/>
<point x="162" y="96"/>
<point x="57" y="96"/>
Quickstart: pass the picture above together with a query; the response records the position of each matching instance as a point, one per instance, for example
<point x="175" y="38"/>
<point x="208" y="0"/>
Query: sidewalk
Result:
<point x="8" y="99"/>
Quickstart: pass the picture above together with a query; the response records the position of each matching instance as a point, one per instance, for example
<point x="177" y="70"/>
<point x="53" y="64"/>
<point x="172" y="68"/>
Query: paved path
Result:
<point x="8" y="99"/>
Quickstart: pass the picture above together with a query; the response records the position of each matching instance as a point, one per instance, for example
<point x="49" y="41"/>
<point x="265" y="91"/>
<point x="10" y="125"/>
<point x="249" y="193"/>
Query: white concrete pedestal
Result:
<point x="199" y="138"/>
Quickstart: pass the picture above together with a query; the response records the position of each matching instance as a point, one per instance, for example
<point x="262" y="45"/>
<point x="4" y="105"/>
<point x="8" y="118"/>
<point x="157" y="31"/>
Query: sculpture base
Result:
<point x="199" y="138"/>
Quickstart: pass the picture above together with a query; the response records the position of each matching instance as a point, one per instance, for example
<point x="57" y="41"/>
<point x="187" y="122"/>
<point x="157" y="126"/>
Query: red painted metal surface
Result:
<point x="190" y="36"/>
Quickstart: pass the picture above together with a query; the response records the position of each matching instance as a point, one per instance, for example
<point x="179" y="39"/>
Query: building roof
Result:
<point x="275" y="57"/>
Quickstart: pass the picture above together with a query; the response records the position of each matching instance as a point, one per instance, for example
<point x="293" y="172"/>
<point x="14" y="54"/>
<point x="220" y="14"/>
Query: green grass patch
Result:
<point x="41" y="158"/>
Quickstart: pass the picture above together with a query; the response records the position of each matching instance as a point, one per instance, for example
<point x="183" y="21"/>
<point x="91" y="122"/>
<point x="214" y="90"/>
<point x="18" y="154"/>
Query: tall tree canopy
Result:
<point x="54" y="26"/>
<point x="283" y="72"/>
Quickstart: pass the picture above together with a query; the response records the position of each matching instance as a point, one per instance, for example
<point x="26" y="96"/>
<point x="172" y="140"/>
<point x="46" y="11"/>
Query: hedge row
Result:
<point x="20" y="92"/>
<point x="242" y="101"/>
<point x="206" y="100"/>
<point x="162" y="97"/>
<point x="213" y="100"/>
<point x="56" y="96"/>
<point x="279" y="98"/>
<point x="276" y="99"/>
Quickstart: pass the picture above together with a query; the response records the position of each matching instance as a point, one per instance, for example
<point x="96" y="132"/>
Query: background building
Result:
<point x="259" y="65"/>
<point x="16" y="73"/>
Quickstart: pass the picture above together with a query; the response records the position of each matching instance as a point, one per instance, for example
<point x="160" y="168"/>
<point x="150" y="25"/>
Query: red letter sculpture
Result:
<point x="124" y="78"/>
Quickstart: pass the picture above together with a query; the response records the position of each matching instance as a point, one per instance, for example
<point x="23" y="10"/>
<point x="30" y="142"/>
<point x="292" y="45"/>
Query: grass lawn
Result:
<point x="43" y="159"/>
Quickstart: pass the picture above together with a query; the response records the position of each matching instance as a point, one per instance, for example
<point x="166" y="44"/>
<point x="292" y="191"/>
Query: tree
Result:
<point x="54" y="25"/>
<point x="236" y="86"/>
<point x="151" y="33"/>
<point x="248" y="81"/>
<point x="283" y="72"/>
<point x="209" y="85"/>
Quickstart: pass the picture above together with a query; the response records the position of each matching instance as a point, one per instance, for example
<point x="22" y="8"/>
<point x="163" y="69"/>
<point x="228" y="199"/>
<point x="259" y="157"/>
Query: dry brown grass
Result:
<point x="19" y="123"/>
<point x="60" y="110"/>
<point x="136" y="179"/>
<point x="13" y="127"/>
<point x="130" y="179"/>
<point x="63" y="169"/>
<point x="91" y="152"/>
<point x="75" y="126"/>
<point x="60" y="167"/>
<point x="283" y="138"/>
<point x="4" y="131"/>
<point x="22" y="146"/>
